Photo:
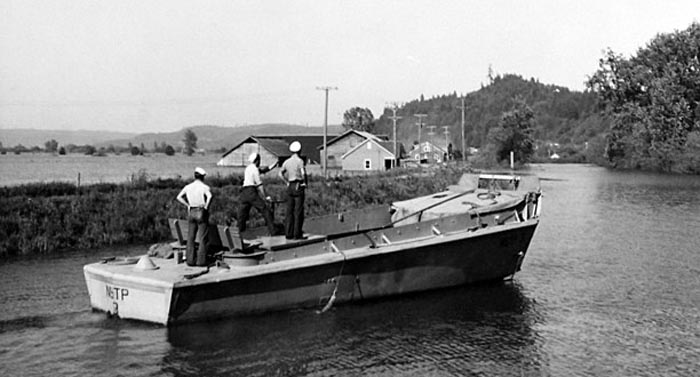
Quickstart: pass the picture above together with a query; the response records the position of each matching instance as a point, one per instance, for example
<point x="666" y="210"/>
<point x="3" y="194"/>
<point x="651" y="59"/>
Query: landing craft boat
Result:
<point x="477" y="230"/>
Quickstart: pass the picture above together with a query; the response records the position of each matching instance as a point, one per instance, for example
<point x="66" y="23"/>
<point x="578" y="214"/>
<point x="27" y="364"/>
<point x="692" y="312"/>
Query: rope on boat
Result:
<point x="196" y="274"/>
<point x="119" y="260"/>
<point x="331" y="300"/>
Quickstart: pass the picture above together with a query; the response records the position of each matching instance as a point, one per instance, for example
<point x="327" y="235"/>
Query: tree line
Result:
<point x="188" y="147"/>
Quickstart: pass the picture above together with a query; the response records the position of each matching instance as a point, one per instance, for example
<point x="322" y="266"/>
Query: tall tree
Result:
<point x="359" y="119"/>
<point x="51" y="145"/>
<point x="190" y="142"/>
<point x="653" y="102"/>
<point x="514" y="133"/>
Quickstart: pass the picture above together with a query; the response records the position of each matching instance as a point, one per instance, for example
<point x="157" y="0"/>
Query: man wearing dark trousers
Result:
<point x="253" y="195"/>
<point x="196" y="196"/>
<point x="294" y="173"/>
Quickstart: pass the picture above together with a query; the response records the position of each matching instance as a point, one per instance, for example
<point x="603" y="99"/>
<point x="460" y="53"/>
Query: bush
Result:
<point x="50" y="217"/>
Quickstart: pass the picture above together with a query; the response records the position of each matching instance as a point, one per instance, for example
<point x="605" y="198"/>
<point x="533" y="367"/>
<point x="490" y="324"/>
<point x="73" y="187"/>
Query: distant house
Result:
<point x="341" y="144"/>
<point x="369" y="155"/>
<point x="272" y="149"/>
<point x="427" y="152"/>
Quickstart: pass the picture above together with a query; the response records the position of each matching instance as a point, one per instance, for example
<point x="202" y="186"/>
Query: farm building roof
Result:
<point x="363" y="134"/>
<point x="279" y="145"/>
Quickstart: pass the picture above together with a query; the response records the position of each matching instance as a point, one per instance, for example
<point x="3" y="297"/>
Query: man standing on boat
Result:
<point x="196" y="196"/>
<point x="296" y="180"/>
<point x="253" y="195"/>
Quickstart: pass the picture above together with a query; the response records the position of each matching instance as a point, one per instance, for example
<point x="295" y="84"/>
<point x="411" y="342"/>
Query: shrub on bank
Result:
<point x="50" y="217"/>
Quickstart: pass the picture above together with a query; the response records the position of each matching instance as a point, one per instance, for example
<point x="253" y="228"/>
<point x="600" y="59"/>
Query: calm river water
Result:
<point x="610" y="287"/>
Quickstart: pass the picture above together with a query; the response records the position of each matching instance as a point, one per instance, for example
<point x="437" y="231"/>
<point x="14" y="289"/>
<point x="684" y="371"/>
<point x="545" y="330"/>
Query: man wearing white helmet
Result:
<point x="196" y="196"/>
<point x="253" y="195"/>
<point x="294" y="174"/>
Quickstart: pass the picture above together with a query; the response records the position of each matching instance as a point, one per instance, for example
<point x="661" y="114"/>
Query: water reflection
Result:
<point x="456" y="331"/>
<point x="132" y="348"/>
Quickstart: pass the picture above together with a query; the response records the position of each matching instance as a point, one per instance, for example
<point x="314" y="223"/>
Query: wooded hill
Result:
<point x="562" y="116"/>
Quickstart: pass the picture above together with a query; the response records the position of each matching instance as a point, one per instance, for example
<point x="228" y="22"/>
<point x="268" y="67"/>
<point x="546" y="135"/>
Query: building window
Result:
<point x="368" y="164"/>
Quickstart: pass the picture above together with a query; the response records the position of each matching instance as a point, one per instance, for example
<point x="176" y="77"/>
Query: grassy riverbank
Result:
<point x="45" y="218"/>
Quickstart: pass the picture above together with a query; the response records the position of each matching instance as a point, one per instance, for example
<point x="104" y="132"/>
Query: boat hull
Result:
<point x="127" y="296"/>
<point x="348" y="275"/>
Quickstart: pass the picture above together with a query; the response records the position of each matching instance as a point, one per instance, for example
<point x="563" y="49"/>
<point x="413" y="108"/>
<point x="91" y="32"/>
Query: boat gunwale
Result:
<point x="330" y="257"/>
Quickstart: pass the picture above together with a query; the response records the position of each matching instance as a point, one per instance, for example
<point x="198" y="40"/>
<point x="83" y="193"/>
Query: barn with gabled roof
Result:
<point x="272" y="149"/>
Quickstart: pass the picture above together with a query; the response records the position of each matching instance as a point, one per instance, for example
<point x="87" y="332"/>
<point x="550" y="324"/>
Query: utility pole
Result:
<point x="325" y="129"/>
<point x="464" y="151"/>
<point x="447" y="142"/>
<point x="431" y="133"/>
<point x="420" y="126"/>
<point x="394" y="118"/>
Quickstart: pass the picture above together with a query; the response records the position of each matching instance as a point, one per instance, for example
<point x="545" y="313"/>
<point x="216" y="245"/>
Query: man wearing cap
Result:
<point x="196" y="196"/>
<point x="253" y="195"/>
<point x="294" y="174"/>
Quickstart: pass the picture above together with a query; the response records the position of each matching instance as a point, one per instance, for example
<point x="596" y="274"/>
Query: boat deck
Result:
<point x="273" y="243"/>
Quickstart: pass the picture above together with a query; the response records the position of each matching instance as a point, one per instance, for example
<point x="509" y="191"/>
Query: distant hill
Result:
<point x="31" y="137"/>
<point x="217" y="137"/>
<point x="208" y="137"/>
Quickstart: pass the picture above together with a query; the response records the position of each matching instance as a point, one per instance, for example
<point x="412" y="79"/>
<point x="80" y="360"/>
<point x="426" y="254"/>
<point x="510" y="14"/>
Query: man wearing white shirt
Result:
<point x="196" y="196"/>
<point x="293" y="173"/>
<point x="253" y="195"/>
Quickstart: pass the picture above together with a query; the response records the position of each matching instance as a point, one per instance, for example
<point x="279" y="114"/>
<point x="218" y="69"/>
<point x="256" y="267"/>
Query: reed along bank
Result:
<point x="44" y="218"/>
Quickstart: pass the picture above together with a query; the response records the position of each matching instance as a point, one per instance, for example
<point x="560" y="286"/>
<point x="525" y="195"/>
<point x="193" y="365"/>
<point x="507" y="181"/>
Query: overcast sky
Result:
<point x="161" y="66"/>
